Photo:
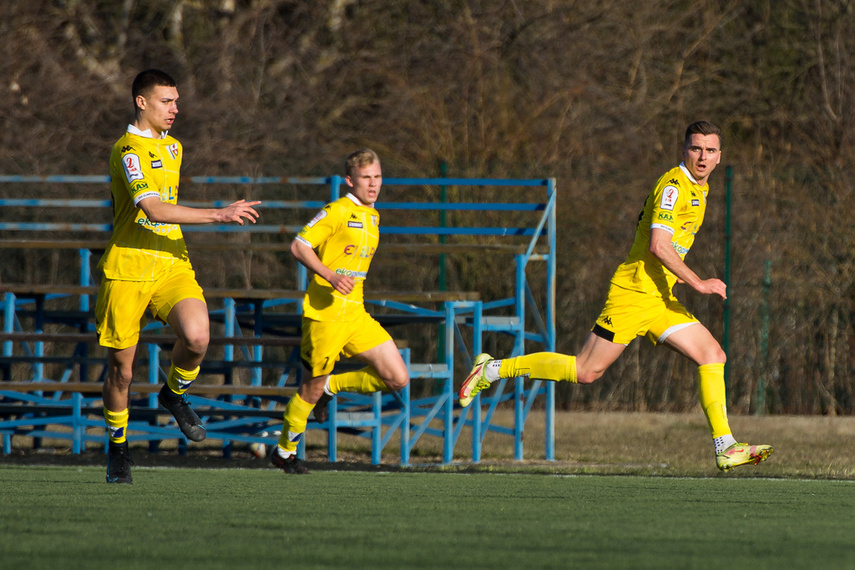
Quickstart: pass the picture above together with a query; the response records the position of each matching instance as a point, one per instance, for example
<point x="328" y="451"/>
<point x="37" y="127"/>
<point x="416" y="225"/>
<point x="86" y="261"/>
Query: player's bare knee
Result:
<point x="397" y="382"/>
<point x="119" y="378"/>
<point x="588" y="376"/>
<point x="196" y="341"/>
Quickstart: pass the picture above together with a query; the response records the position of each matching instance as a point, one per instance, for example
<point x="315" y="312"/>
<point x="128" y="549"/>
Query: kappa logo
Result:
<point x="607" y="321"/>
<point x="127" y="149"/>
<point x="674" y="181"/>
<point x="151" y="155"/>
<point x="353" y="217"/>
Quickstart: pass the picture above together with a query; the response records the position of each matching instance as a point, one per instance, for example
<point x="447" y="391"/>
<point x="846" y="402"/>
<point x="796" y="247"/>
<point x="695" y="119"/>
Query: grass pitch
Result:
<point x="67" y="517"/>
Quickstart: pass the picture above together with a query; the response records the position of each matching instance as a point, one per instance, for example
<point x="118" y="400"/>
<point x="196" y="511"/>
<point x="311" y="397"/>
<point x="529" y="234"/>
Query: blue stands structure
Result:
<point x="75" y="229"/>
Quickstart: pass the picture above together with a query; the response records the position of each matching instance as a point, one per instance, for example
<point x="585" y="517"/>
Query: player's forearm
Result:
<point x="166" y="213"/>
<point x="661" y="248"/>
<point x="307" y="256"/>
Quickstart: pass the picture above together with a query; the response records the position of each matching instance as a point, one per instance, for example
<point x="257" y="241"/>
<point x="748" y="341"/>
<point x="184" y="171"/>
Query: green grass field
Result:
<point x="67" y="517"/>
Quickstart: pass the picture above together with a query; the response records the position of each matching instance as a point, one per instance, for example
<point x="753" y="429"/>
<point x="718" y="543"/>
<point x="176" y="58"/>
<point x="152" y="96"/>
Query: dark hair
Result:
<point x="701" y="128"/>
<point x="147" y="80"/>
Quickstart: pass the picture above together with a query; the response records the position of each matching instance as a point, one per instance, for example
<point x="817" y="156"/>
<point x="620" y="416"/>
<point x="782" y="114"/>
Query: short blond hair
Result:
<point x="360" y="159"/>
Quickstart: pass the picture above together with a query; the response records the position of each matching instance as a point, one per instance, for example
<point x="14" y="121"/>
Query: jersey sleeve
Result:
<point x="321" y="227"/>
<point x="667" y="200"/>
<point x="138" y="176"/>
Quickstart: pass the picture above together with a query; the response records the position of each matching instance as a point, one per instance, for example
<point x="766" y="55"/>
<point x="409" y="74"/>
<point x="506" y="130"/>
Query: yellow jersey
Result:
<point x="140" y="167"/>
<point x="676" y="204"/>
<point x="345" y="235"/>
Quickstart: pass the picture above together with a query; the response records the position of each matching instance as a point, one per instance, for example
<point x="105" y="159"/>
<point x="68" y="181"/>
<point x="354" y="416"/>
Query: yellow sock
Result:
<point x="540" y="366"/>
<point x="296" y="415"/>
<point x="362" y="381"/>
<point x="179" y="380"/>
<point x="117" y="425"/>
<point x="713" y="398"/>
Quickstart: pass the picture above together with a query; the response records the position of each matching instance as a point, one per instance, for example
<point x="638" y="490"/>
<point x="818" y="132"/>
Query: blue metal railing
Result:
<point x="541" y="230"/>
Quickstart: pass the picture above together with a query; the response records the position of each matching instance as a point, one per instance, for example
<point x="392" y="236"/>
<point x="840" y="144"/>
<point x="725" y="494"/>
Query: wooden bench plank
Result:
<point x="149" y="339"/>
<point x="192" y="245"/>
<point x="23" y="290"/>
<point x="145" y="388"/>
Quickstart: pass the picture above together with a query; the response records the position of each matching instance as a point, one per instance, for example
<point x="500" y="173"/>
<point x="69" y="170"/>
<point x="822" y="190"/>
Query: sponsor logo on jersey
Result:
<point x="696" y="202"/>
<point x="365" y="252"/>
<point x="669" y="198"/>
<point x="351" y="273"/>
<point x="665" y="216"/>
<point x="681" y="250"/>
<point x="156" y="164"/>
<point x="318" y="217"/>
<point x="354" y="224"/>
<point x="159" y="228"/>
<point x="133" y="171"/>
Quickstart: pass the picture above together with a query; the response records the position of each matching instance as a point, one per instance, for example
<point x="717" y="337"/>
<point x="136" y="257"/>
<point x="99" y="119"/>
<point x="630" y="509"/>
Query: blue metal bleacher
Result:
<point x="466" y="320"/>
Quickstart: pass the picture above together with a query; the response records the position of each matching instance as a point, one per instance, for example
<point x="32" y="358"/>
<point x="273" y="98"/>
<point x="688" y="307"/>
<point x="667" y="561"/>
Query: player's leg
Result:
<point x="178" y="301"/>
<point x="319" y="350"/>
<point x="596" y="355"/>
<point x="116" y="395"/>
<point x="120" y="314"/>
<point x="697" y="343"/>
<point x="370" y="343"/>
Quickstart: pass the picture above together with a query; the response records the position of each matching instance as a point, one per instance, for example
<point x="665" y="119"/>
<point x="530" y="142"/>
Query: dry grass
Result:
<point x="670" y="445"/>
<point x="641" y="443"/>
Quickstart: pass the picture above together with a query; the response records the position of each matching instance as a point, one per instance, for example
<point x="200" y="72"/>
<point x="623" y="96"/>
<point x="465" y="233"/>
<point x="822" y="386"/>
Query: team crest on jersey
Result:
<point x="669" y="198"/>
<point x="173" y="150"/>
<point x="318" y="217"/>
<point x="133" y="171"/>
<point x="375" y="220"/>
<point x="354" y="224"/>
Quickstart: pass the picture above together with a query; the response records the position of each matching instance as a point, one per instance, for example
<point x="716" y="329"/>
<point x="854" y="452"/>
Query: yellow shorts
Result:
<point x="121" y="305"/>
<point x="325" y="341"/>
<point x="628" y="314"/>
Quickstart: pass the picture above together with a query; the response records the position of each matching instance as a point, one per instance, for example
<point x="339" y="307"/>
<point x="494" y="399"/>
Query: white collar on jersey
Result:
<point x="146" y="133"/>
<point x="356" y="200"/>
<point x="687" y="173"/>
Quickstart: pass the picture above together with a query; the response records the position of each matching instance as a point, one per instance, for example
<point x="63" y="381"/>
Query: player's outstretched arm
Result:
<point x="166" y="213"/>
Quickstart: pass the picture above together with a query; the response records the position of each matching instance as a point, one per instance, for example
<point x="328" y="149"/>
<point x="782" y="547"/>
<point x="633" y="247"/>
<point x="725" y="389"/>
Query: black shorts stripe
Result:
<point x="603" y="333"/>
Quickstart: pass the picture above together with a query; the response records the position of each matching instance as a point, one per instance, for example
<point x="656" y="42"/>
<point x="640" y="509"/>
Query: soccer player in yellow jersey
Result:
<point x="146" y="266"/>
<point x="641" y="302"/>
<point x="338" y="245"/>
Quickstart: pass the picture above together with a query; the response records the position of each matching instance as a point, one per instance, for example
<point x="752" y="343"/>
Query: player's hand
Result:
<point x="238" y="211"/>
<point x="712" y="287"/>
<point x="342" y="283"/>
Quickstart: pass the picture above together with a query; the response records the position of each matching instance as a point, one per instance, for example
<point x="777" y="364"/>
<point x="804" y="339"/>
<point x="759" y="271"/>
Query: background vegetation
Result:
<point x="596" y="94"/>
